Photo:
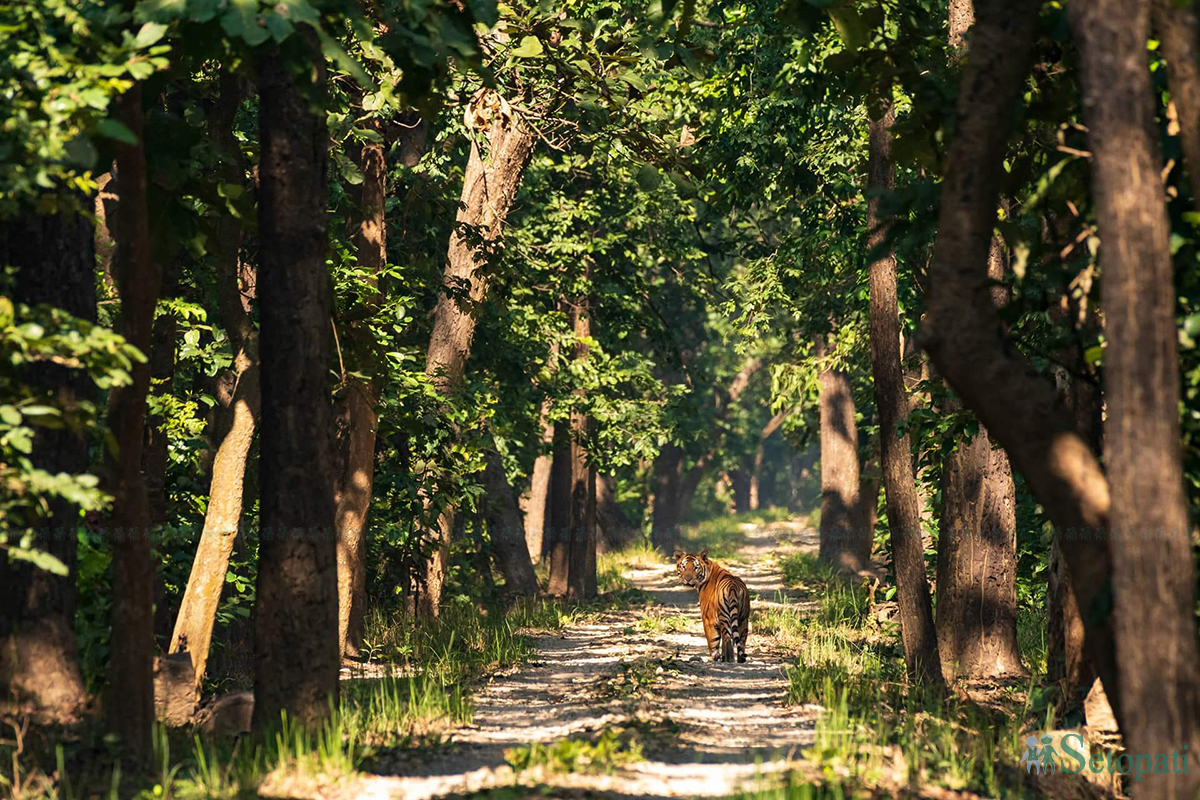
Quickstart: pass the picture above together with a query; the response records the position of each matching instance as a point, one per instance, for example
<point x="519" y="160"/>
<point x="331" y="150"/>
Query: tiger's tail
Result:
<point x="730" y="630"/>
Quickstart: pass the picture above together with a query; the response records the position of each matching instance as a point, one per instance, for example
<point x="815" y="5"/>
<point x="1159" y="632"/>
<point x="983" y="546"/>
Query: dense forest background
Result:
<point x="330" y="330"/>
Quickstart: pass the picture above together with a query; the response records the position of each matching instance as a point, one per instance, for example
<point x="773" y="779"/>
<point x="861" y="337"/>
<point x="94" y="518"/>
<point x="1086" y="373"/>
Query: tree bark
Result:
<point x="295" y="629"/>
<point x="581" y="582"/>
<point x="843" y="542"/>
<point x="559" y="547"/>
<point x="357" y="419"/>
<point x="535" y="506"/>
<point x="489" y="188"/>
<point x="964" y="335"/>
<point x="131" y="694"/>
<point x="506" y="527"/>
<point x="668" y="472"/>
<point x="354" y="451"/>
<point x="1153" y="575"/>
<point x="903" y="505"/>
<point x="222" y="519"/>
<point x="39" y="664"/>
<point x="1179" y="33"/>
<point x="613" y="528"/>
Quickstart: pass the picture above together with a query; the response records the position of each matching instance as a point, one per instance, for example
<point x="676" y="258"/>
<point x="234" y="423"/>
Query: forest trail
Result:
<point x="706" y="729"/>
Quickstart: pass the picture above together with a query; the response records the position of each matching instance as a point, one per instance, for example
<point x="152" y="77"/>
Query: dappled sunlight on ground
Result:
<point x="705" y="729"/>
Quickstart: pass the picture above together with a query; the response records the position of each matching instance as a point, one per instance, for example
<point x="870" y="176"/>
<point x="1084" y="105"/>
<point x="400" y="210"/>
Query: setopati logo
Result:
<point x="1072" y="758"/>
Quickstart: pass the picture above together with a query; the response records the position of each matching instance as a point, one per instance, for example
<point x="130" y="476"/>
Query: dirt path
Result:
<point x="706" y="729"/>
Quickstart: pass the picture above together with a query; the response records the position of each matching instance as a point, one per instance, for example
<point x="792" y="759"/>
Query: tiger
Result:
<point x="724" y="604"/>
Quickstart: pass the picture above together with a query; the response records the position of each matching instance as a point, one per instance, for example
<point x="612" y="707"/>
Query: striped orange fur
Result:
<point x="724" y="604"/>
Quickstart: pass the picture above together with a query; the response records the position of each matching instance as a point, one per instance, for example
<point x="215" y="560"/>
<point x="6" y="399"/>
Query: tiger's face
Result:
<point x="693" y="569"/>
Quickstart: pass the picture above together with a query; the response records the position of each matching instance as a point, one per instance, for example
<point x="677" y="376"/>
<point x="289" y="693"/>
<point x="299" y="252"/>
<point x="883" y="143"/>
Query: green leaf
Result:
<point x="649" y="178"/>
<point x="530" y="47"/>
<point x="39" y="558"/>
<point x="634" y="80"/>
<point x="149" y="33"/>
<point x="112" y="129"/>
<point x="850" y="27"/>
<point x="337" y="54"/>
<point x="9" y="415"/>
<point x="1093" y="354"/>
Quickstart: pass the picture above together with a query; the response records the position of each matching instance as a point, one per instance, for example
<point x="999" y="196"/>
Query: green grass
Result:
<point x="877" y="732"/>
<point x="723" y="536"/>
<point x="603" y="753"/>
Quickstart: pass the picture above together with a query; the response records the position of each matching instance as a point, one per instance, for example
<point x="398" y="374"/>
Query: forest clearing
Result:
<point x="602" y="398"/>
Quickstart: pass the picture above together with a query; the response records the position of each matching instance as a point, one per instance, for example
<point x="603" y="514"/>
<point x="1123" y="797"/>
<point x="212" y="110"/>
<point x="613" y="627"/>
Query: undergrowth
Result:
<point x="876" y="732"/>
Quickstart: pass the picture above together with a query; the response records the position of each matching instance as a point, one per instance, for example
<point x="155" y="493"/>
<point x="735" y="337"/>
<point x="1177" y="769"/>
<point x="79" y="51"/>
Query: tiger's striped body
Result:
<point x="724" y="604"/>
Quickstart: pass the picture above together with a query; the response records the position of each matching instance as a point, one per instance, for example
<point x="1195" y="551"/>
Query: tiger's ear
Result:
<point x="704" y="555"/>
<point x="678" y="555"/>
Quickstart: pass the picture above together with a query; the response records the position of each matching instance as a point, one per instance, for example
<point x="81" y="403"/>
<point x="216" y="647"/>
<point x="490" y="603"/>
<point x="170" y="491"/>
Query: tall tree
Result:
<point x="39" y="662"/>
<point x="581" y="581"/>
<point x="843" y="541"/>
<point x="964" y="335"/>
<point x="506" y="529"/>
<point x="558" y="548"/>
<point x="535" y="505"/>
<point x="355" y="414"/>
<point x="131" y="695"/>
<point x="296" y="656"/>
<point x="235" y="281"/>
<point x="1153" y="574"/>
<point x="977" y="531"/>
<point x="899" y="483"/>
<point x="489" y="186"/>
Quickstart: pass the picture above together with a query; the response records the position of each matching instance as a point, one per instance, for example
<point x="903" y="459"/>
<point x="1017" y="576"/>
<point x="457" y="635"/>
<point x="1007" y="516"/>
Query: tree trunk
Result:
<point x="668" y="470"/>
<point x="1153" y="575"/>
<point x="903" y="505"/>
<point x="559" y="548"/>
<point x="295" y="627"/>
<point x="131" y="694"/>
<point x="844" y="544"/>
<point x="489" y="187"/>
<point x="1179" y="32"/>
<point x="222" y="519"/>
<point x="354" y="452"/>
<point x="39" y="664"/>
<point x="357" y="420"/>
<point x="976" y="568"/>
<point x="614" y="529"/>
<point x="581" y="582"/>
<point x="688" y="486"/>
<point x="869" y="480"/>
<point x="505" y="525"/>
<point x="963" y="332"/>
<point x="536" y="506"/>
<point x="977" y="539"/>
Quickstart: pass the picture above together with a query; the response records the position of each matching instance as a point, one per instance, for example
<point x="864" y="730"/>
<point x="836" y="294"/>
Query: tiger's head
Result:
<point x="693" y="569"/>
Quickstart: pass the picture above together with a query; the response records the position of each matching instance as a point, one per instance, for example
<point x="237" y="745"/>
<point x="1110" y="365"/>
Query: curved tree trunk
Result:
<point x="844" y="543"/>
<point x="131" y="695"/>
<point x="222" y="519"/>
<point x="506" y="527"/>
<point x="964" y="335"/>
<point x="295" y="617"/>
<point x="39" y="663"/>
<point x="489" y="186"/>
<point x="903" y="505"/>
<point x="1153" y="574"/>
